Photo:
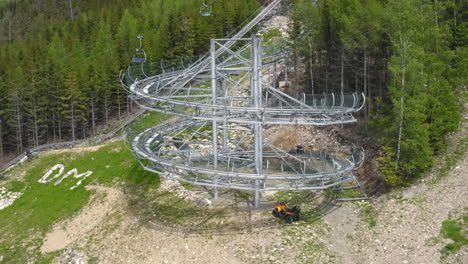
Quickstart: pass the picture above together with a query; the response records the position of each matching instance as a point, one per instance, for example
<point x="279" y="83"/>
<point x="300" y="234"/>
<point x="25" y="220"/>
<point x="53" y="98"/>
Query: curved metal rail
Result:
<point x="164" y="149"/>
<point x="195" y="99"/>
<point x="225" y="102"/>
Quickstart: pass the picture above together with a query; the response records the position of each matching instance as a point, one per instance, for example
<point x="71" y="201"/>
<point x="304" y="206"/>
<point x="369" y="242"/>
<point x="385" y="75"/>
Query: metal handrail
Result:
<point x="67" y="144"/>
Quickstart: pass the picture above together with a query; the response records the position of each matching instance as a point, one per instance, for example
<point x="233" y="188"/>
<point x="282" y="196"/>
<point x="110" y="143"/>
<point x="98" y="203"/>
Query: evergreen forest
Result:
<point x="410" y="59"/>
<point x="60" y="63"/>
<point x="60" y="60"/>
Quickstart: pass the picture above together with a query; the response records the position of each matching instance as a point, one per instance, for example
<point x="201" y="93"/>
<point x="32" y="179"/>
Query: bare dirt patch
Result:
<point x="123" y="238"/>
<point x="92" y="215"/>
<point x="330" y="140"/>
<point x="408" y="221"/>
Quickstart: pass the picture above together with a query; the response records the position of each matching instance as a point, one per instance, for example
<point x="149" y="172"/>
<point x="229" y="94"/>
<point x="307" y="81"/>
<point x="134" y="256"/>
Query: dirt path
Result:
<point x="74" y="229"/>
<point x="406" y="223"/>
<point x="122" y="239"/>
<point x="407" y="220"/>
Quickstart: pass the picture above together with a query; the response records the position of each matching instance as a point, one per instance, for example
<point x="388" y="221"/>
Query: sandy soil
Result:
<point x="76" y="149"/>
<point x="76" y="228"/>
<point x="407" y="220"/>
<point x="406" y="223"/>
<point x="122" y="239"/>
<point x="82" y="148"/>
<point x="315" y="139"/>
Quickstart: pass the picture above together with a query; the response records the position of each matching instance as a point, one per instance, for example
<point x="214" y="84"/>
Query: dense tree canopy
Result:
<point x="409" y="58"/>
<point x="61" y="59"/>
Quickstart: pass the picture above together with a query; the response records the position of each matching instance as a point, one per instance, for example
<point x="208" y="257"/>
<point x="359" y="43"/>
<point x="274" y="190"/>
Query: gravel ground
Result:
<point x="406" y="221"/>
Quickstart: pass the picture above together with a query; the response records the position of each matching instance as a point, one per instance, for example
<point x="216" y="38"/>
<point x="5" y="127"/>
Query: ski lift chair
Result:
<point x="206" y="10"/>
<point x="138" y="60"/>
<point x="139" y="56"/>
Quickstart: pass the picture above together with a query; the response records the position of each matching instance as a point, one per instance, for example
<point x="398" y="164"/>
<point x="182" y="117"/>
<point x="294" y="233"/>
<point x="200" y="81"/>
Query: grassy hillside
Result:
<point x="24" y="224"/>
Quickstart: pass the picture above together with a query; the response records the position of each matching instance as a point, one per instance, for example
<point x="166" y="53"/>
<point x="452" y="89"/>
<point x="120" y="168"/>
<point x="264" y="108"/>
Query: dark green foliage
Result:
<point x="424" y="104"/>
<point x="59" y="71"/>
<point x="408" y="57"/>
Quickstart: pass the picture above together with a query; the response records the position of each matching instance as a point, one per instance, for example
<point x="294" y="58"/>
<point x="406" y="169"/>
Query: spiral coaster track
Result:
<point x="225" y="103"/>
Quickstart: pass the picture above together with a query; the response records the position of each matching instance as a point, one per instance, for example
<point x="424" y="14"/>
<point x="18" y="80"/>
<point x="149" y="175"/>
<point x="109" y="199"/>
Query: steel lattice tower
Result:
<point x="224" y="105"/>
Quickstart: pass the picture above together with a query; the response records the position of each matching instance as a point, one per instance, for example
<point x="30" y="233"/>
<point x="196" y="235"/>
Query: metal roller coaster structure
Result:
<point x="225" y="104"/>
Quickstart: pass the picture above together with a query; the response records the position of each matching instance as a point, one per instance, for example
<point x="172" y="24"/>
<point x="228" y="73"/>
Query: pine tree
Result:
<point x="72" y="104"/>
<point x="409" y="94"/>
<point x="69" y="67"/>
<point x="55" y="58"/>
<point x="126" y="37"/>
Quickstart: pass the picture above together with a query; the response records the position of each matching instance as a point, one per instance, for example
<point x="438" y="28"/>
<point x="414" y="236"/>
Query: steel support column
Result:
<point x="214" y="123"/>
<point x="257" y="102"/>
<point x="274" y="76"/>
<point x="225" y="123"/>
